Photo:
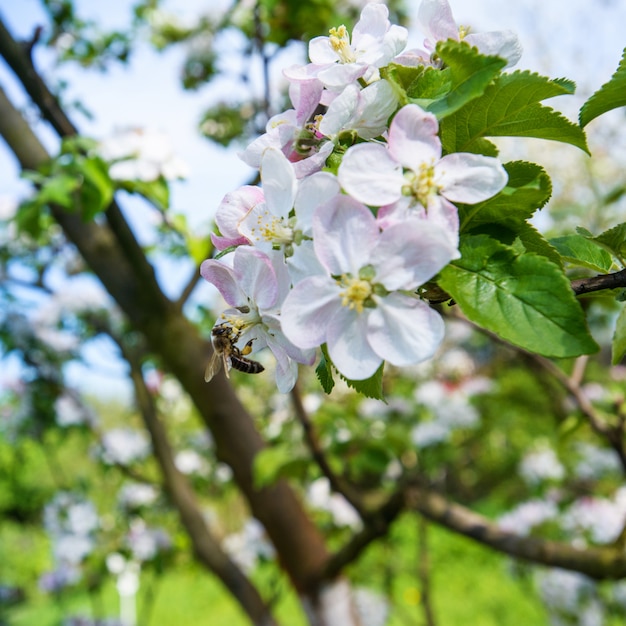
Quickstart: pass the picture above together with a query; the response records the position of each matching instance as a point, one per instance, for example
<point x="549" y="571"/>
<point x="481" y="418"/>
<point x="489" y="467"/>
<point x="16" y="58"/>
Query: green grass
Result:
<point x="469" y="585"/>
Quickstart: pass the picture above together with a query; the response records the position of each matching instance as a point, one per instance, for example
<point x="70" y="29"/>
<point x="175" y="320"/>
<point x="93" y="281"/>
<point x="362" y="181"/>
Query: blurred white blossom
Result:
<point x="525" y="516"/>
<point x="541" y="465"/>
<point x="124" y="446"/>
<point x="248" y="545"/>
<point x="142" y="154"/>
<point x="320" y="497"/>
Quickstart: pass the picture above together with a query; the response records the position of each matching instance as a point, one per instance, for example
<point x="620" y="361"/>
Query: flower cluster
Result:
<point x="354" y="213"/>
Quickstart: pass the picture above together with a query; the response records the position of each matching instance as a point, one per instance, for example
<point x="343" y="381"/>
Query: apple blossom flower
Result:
<point x="293" y="132"/>
<point x="339" y="60"/>
<point x="255" y="287"/>
<point x="360" y="308"/>
<point x="436" y="20"/>
<point x="411" y="177"/>
<point x="284" y="221"/>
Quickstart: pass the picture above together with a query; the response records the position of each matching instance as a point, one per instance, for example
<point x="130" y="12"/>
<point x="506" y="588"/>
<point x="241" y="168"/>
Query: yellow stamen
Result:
<point x="340" y="43"/>
<point x="356" y="292"/>
<point x="421" y="185"/>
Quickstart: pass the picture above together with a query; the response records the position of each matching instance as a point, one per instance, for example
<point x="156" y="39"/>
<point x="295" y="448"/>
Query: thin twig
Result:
<point x="337" y="483"/>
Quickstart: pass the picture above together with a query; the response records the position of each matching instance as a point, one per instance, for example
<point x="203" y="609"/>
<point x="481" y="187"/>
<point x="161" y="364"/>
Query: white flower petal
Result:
<point x="502" y="43"/>
<point x="413" y="138"/>
<point x="404" y="330"/>
<point x="348" y="347"/>
<point x="307" y="310"/>
<point x="411" y="253"/>
<point x="344" y="233"/>
<point x="321" y="52"/>
<point x="469" y="178"/>
<point x="370" y="174"/>
<point x="279" y="182"/>
<point x="373" y="23"/>
<point x="314" y="191"/>
<point x="435" y="18"/>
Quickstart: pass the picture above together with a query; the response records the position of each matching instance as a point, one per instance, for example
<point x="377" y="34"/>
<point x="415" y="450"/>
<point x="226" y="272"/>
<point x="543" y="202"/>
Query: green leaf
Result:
<point x="510" y="107"/>
<point x="610" y="96"/>
<point x="527" y="190"/>
<point x="619" y="338"/>
<point x="465" y="76"/>
<point x="96" y="191"/>
<point x="370" y="387"/>
<point x="324" y="372"/>
<point x="275" y="462"/>
<point x="533" y="241"/>
<point x="59" y="189"/>
<point x="155" y="191"/>
<point x="583" y="252"/>
<point x="614" y="240"/>
<point x="525" y="299"/>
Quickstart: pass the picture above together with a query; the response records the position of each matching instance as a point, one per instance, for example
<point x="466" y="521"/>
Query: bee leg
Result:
<point x="247" y="348"/>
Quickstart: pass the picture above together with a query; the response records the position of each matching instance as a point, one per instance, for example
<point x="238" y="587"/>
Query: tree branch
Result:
<point x="337" y="483"/>
<point x="207" y="550"/>
<point x="598" y="283"/>
<point x="598" y="562"/>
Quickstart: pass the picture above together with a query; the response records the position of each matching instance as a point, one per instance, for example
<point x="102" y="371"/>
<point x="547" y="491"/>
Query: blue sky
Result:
<point x="578" y="39"/>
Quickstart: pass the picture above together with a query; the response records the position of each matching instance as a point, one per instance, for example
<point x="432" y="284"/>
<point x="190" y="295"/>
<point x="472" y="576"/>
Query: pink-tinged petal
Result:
<point x="371" y="175"/>
<point x="314" y="191"/>
<point x="313" y="163"/>
<point x="279" y="182"/>
<point x="256" y="276"/>
<point x="305" y="96"/>
<point x="344" y="233"/>
<point x="307" y="310"/>
<point x="337" y="76"/>
<point x="226" y="281"/>
<point x="321" y="52"/>
<point x="221" y="243"/>
<point x="409" y="254"/>
<point x="348" y="345"/>
<point x="469" y="178"/>
<point x="502" y="43"/>
<point x="413" y="137"/>
<point x="373" y="23"/>
<point x="234" y="207"/>
<point x="404" y="330"/>
<point x="436" y="19"/>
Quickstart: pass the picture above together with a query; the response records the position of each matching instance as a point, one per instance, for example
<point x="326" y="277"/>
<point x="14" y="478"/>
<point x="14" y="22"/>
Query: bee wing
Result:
<point x="214" y="365"/>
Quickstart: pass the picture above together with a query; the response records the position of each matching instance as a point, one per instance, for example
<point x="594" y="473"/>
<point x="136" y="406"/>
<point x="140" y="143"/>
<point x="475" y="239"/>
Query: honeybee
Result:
<point x="226" y="353"/>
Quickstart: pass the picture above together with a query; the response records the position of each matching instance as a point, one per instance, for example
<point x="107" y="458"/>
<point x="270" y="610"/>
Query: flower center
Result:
<point x="274" y="229"/>
<point x="421" y="184"/>
<point x="340" y="43"/>
<point x="463" y="31"/>
<point x="356" y="293"/>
